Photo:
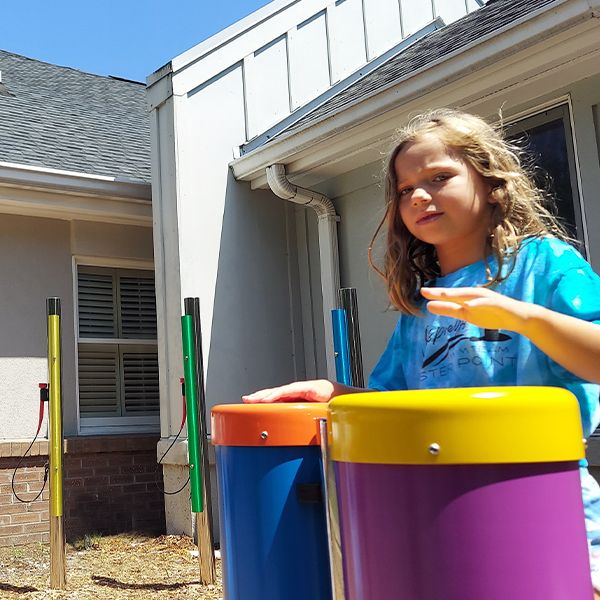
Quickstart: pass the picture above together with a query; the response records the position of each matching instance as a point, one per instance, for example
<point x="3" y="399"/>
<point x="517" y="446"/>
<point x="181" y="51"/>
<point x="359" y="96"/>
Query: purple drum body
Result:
<point x="463" y="532"/>
<point x="460" y="494"/>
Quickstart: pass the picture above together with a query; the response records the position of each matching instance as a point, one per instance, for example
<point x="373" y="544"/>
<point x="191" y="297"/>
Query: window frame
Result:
<point x="537" y="117"/>
<point x="118" y="424"/>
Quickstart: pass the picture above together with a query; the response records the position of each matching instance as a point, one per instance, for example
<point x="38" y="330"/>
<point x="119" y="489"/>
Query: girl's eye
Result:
<point x="441" y="177"/>
<point x="404" y="191"/>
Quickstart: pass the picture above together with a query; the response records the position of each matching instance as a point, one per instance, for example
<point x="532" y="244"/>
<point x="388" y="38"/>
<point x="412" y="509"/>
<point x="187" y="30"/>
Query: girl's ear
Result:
<point x="496" y="192"/>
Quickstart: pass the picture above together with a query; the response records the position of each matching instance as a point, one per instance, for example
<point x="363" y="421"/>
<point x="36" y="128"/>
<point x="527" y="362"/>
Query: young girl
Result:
<point x="489" y="289"/>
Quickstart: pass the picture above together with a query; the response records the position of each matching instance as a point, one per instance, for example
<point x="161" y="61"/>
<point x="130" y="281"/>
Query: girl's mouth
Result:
<point x="429" y="218"/>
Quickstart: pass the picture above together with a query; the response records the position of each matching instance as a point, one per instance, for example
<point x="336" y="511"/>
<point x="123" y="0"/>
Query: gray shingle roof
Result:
<point x="61" y="118"/>
<point x="436" y="45"/>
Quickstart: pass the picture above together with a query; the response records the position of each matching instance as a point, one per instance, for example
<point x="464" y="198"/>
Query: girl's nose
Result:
<point x="420" y="195"/>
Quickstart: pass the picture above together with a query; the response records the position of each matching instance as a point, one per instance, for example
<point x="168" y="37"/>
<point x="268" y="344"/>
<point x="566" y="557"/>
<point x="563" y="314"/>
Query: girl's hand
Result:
<point x="480" y="306"/>
<point x="319" y="390"/>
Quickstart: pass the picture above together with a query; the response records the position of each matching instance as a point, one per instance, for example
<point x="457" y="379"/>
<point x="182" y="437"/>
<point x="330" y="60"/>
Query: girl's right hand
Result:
<point x="317" y="390"/>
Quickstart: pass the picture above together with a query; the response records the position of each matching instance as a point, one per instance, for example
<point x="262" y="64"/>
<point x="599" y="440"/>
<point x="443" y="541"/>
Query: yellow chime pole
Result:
<point x="57" y="530"/>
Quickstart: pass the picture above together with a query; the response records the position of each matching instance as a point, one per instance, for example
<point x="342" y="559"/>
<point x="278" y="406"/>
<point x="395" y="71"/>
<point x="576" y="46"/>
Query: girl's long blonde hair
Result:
<point x="518" y="212"/>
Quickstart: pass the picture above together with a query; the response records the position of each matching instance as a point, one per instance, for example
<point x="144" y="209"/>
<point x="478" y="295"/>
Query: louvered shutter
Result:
<point x="138" y="307"/>
<point x="140" y="381"/>
<point x="117" y="378"/>
<point x="96" y="303"/>
<point x="98" y="381"/>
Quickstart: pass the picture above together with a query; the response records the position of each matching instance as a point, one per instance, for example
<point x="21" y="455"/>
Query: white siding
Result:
<point x="450" y="10"/>
<point x="295" y="55"/>
<point x="267" y="90"/>
<point x="382" y="19"/>
<point x="346" y="37"/>
<point x="309" y="60"/>
<point x="415" y="14"/>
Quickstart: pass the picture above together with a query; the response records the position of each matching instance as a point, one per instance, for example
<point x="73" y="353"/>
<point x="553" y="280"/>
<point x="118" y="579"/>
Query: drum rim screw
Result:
<point x="434" y="448"/>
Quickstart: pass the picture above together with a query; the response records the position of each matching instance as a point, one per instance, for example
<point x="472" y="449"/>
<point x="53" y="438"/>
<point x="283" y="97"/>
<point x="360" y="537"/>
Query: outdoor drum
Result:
<point x="461" y="494"/>
<point x="273" y="528"/>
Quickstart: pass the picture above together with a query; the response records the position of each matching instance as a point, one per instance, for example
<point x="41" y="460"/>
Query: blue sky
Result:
<point x="125" y="38"/>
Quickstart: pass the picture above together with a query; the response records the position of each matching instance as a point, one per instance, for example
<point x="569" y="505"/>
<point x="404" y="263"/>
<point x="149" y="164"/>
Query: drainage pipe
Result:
<point x="328" y="246"/>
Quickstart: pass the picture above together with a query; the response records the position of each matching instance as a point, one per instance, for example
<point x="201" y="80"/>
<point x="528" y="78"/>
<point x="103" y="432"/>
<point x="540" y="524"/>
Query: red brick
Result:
<point x="121" y="459"/>
<point x="132" y="469"/>
<point x="21" y="540"/>
<point x="106" y="470"/>
<point x="6" y="498"/>
<point x="7" y="488"/>
<point x="145" y="458"/>
<point x="37" y="528"/>
<point x="72" y="462"/>
<point x="148" y="478"/>
<point x="12" y="509"/>
<point x="73" y="483"/>
<point x="120" y="479"/>
<point x="29" y="475"/>
<point x="4" y="449"/>
<point x="72" y="473"/>
<point x="135" y="488"/>
<point x="11" y="529"/>
<point x="29" y="517"/>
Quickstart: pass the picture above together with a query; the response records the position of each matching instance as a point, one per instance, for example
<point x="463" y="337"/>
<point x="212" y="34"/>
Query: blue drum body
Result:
<point x="272" y="523"/>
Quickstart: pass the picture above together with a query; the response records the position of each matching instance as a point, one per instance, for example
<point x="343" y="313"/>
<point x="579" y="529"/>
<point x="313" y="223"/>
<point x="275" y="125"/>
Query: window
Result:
<point x="117" y="349"/>
<point x="548" y="139"/>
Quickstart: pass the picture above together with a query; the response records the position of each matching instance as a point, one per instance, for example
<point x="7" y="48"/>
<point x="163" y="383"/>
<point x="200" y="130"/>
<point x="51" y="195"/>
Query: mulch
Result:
<point x="120" y="566"/>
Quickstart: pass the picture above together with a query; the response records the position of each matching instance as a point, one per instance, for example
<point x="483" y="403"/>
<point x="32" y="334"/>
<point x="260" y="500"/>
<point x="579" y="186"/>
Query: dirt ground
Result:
<point x="122" y="566"/>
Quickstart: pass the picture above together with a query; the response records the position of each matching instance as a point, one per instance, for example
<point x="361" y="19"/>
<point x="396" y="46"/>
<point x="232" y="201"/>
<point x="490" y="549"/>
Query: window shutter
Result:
<point x="140" y="382"/>
<point x="96" y="302"/>
<point x="138" y="307"/>
<point x="98" y="381"/>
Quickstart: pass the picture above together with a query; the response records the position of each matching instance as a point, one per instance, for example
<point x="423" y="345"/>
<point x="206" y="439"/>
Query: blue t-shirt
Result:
<point x="431" y="351"/>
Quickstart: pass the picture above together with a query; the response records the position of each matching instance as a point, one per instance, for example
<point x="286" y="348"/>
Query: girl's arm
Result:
<point x="317" y="390"/>
<point x="572" y="343"/>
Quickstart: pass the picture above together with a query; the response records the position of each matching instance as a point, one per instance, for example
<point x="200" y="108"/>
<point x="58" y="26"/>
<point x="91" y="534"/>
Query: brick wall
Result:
<point x="108" y="487"/>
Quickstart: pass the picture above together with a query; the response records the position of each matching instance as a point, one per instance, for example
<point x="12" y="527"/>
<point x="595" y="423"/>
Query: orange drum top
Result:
<point x="276" y="424"/>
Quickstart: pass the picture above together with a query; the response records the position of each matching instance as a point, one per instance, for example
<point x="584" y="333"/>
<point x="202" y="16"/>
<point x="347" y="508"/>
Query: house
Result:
<point x="299" y="101"/>
<point x="76" y="222"/>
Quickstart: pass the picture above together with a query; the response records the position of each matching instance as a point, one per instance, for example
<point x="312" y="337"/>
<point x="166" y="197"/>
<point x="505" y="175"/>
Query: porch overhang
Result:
<point x="558" y="42"/>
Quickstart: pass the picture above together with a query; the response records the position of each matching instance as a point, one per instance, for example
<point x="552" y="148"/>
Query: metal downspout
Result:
<point x="328" y="246"/>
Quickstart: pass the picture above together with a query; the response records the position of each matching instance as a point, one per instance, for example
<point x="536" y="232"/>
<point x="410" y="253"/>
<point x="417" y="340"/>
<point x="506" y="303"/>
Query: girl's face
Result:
<point x="443" y="201"/>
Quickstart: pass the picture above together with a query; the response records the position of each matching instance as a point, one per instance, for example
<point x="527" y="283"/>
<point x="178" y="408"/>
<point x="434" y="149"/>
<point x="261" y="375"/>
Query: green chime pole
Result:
<point x="191" y="397"/>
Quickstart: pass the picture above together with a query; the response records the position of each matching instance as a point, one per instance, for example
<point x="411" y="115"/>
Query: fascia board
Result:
<point x="65" y="195"/>
<point x="69" y="182"/>
<point x="517" y="35"/>
<point x="73" y="208"/>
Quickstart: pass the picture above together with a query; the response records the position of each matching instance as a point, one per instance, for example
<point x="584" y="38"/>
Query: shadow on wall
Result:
<point x="251" y="341"/>
<point x="35" y="263"/>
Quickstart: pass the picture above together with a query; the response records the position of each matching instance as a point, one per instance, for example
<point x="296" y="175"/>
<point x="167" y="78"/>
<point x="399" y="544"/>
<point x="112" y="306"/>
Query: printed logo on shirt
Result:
<point x="489" y="335"/>
<point x="433" y="365"/>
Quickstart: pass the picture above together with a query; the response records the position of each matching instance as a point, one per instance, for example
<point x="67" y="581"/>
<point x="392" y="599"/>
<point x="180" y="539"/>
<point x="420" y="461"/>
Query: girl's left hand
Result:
<point x="480" y="306"/>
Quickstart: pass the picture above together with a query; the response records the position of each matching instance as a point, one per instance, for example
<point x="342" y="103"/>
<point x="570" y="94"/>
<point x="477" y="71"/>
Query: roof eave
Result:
<point x="74" y="183"/>
<point x="527" y="31"/>
<point x="35" y="191"/>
